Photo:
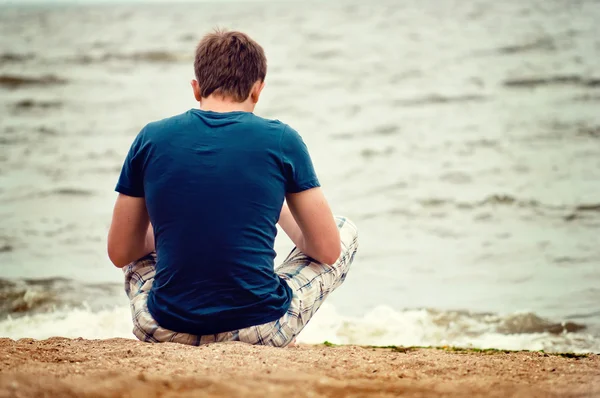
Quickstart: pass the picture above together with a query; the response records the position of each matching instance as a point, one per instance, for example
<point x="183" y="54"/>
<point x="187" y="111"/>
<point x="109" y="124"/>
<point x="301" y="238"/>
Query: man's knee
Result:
<point x="348" y="232"/>
<point x="349" y="241"/>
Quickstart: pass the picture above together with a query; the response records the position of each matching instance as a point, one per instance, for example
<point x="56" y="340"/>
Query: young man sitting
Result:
<point x="200" y="195"/>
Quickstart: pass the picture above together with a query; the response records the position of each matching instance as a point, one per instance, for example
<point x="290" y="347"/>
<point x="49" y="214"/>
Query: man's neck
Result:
<point x="222" y="105"/>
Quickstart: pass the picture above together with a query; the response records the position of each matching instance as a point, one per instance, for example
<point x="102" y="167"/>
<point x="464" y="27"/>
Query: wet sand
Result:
<point x="128" y="368"/>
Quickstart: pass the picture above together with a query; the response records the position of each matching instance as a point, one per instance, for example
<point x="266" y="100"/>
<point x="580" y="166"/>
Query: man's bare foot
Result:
<point x="292" y="344"/>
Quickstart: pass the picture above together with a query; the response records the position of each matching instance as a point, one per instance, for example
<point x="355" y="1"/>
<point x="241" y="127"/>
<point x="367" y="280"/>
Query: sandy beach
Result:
<point x="128" y="368"/>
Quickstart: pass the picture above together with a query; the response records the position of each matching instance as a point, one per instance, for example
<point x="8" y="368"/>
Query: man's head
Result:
<point x="229" y="66"/>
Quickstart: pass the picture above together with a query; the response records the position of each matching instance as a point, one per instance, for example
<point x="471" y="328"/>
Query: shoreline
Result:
<point x="462" y="350"/>
<point x="123" y="367"/>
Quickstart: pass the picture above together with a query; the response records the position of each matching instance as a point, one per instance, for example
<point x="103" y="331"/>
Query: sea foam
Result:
<point x="381" y="326"/>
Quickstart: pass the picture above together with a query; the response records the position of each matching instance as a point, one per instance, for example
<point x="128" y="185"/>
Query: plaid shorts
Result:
<point x="310" y="281"/>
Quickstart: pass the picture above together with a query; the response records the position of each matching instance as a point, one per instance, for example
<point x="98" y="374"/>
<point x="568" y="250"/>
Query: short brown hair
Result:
<point x="228" y="64"/>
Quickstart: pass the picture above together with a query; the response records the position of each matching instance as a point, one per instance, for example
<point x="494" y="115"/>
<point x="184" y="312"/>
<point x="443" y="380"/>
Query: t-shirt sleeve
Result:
<point x="131" y="181"/>
<point x="299" y="171"/>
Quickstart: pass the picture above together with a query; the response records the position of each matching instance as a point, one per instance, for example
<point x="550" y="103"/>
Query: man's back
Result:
<point x="193" y="226"/>
<point x="214" y="185"/>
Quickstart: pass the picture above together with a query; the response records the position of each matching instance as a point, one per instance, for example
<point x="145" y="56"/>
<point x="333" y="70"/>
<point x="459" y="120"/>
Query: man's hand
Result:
<point x="130" y="236"/>
<point x="310" y="225"/>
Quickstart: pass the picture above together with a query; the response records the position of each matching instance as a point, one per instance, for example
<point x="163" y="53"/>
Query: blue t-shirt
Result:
<point x="214" y="184"/>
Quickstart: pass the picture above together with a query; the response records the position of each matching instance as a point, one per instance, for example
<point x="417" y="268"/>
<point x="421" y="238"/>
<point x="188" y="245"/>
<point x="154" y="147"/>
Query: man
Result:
<point x="200" y="195"/>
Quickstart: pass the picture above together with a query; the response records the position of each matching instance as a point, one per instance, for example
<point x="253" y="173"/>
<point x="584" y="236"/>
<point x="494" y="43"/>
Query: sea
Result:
<point x="462" y="137"/>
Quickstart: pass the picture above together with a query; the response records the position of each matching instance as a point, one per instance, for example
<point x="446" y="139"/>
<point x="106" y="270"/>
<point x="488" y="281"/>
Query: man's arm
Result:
<point x="308" y="221"/>
<point x="130" y="236"/>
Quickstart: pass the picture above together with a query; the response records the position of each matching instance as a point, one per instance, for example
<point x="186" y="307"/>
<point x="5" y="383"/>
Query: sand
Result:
<point x="128" y="368"/>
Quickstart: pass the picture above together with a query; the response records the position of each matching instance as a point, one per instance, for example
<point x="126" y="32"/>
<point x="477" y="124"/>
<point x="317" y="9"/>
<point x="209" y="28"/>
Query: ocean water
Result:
<point x="463" y="138"/>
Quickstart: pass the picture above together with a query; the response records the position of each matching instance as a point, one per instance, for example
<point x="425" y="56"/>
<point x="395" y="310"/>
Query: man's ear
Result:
<point x="256" y="90"/>
<point x="196" y="89"/>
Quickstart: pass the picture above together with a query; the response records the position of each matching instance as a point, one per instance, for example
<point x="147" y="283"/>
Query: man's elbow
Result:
<point x="329" y="248"/>
<point x="332" y="258"/>
<point x="334" y="248"/>
<point x="118" y="258"/>
<point x="330" y="254"/>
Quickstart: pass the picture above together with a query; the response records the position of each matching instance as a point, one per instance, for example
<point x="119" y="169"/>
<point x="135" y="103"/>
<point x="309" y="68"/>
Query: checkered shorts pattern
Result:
<point x="310" y="281"/>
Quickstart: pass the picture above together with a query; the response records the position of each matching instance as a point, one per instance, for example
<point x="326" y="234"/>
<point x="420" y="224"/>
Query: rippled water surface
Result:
<point x="462" y="137"/>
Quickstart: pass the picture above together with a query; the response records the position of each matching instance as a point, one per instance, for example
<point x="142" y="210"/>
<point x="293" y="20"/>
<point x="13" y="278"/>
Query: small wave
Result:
<point x="370" y="153"/>
<point x="381" y="326"/>
<point x="102" y="170"/>
<point x="44" y="308"/>
<point x="71" y="192"/>
<point x="326" y="54"/>
<point x="15" y="58"/>
<point x="46" y="130"/>
<point x="593" y="83"/>
<point x="481" y="143"/>
<point x="15" y="81"/>
<point x="342" y="136"/>
<point x="561" y="130"/>
<point x="588" y="207"/>
<point x="436" y="99"/>
<point x="21" y="296"/>
<point x="153" y="56"/>
<point x="188" y="37"/>
<point x="593" y="314"/>
<point x="492" y="200"/>
<point x="426" y="327"/>
<point x="389" y="129"/>
<point x="67" y="191"/>
<point x="589" y="131"/>
<point x="569" y="260"/>
<point x="156" y="56"/>
<point x="507" y="200"/>
<point x="456" y="177"/>
<point x="531" y="323"/>
<point x="72" y="323"/>
<point x="568" y="213"/>
<point x="587" y="98"/>
<point x="579" y="212"/>
<point x="543" y="44"/>
<point x="565" y="212"/>
<point x="398" y="77"/>
<point x="323" y="36"/>
<point x="564" y="80"/>
<point x="28" y="104"/>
